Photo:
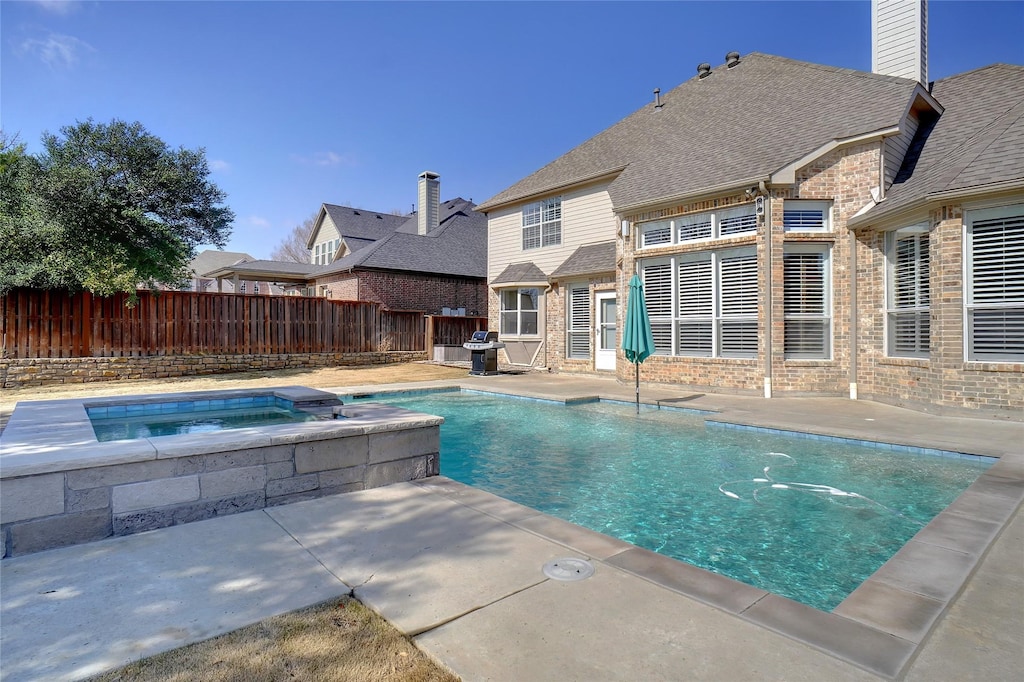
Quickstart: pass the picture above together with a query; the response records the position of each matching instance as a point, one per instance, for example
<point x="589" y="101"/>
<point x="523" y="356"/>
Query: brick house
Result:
<point x="433" y="260"/>
<point x="800" y="229"/>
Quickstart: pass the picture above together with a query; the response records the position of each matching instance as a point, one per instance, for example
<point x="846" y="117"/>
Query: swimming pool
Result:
<point x="809" y="519"/>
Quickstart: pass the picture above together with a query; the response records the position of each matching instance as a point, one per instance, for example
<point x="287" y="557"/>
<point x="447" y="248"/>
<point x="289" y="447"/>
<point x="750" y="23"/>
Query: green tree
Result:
<point x="107" y="207"/>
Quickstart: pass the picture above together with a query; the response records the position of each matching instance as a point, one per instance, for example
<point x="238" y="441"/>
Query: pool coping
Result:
<point x="880" y="627"/>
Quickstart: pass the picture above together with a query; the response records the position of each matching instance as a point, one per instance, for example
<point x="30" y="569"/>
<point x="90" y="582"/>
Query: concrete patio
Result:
<point x="460" y="571"/>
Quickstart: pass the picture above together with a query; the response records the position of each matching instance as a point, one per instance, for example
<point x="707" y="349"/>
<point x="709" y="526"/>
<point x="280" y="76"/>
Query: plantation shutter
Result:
<point x="737" y="221"/>
<point x="579" y="322"/>
<point x="910" y="322"/>
<point x="738" y="306"/>
<point x="693" y="227"/>
<point x="696" y="308"/>
<point x="806" y="305"/>
<point x="996" y="306"/>
<point x="655" y="234"/>
<point x="657" y="280"/>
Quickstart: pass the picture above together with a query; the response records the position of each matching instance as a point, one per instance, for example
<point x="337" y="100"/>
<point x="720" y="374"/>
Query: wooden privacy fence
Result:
<point x="54" y="324"/>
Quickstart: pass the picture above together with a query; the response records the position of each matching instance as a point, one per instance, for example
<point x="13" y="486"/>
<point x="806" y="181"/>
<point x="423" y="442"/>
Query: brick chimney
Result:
<point x="429" y="214"/>
<point x="899" y="38"/>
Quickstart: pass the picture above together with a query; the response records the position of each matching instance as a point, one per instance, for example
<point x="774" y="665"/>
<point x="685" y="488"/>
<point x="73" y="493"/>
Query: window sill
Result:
<point x="808" y="362"/>
<point x="904" y="362"/>
<point x="1012" y="367"/>
<point x="703" y="359"/>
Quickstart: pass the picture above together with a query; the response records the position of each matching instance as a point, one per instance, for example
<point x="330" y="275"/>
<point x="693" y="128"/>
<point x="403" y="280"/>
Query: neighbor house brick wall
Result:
<point x="25" y="372"/>
<point x="409" y="291"/>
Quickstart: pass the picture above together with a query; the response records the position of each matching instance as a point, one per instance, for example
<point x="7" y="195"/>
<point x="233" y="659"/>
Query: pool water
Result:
<point x="806" y="518"/>
<point x="125" y="422"/>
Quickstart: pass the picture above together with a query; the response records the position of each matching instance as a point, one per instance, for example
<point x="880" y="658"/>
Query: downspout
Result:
<point x="853" y="315"/>
<point x="548" y="290"/>
<point x="767" y="291"/>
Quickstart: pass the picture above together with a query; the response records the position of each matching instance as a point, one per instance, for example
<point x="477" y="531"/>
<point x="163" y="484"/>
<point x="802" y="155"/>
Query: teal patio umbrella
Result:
<point x="637" y="341"/>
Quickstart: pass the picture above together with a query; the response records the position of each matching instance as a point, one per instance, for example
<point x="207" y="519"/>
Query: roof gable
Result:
<point x="978" y="141"/>
<point x="737" y="124"/>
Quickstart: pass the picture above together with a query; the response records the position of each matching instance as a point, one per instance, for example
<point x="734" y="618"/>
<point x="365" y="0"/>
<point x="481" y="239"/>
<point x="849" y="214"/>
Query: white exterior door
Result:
<point x="605" y="332"/>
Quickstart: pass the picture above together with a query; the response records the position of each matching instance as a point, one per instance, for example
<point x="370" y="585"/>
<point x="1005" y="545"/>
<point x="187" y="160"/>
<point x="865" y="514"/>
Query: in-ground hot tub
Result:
<point x="60" y="485"/>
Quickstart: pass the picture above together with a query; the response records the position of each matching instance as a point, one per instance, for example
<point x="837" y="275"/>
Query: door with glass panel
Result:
<point x="606" y="335"/>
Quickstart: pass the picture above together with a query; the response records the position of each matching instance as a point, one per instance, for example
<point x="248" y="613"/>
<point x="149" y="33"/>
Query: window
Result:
<point x="995" y="284"/>
<point x="703" y="304"/>
<point x="806" y="301"/>
<point x="323" y="253"/>
<point x="800" y="215"/>
<point x="241" y="288"/>
<point x="726" y="222"/>
<point x="519" y="311"/>
<point x="542" y="223"/>
<point x="577" y="344"/>
<point x="907" y="297"/>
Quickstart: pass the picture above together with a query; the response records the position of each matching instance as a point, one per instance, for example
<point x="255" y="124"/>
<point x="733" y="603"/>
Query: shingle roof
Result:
<point x="358" y="223"/>
<point x="210" y="260"/>
<point x="268" y="266"/>
<point x="740" y="123"/>
<point x="978" y="140"/>
<point x="587" y="260"/>
<point x="520" y="272"/>
<point x="458" y="246"/>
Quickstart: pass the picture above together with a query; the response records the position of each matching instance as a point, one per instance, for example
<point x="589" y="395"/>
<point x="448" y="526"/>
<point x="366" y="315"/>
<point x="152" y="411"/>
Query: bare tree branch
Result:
<point x="293" y="247"/>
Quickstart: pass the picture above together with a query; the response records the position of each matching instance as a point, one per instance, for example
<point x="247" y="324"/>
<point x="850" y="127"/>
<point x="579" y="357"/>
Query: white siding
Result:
<point x="324" y="232"/>
<point x="899" y="38"/>
<point x="896" y="148"/>
<point x="587" y="218"/>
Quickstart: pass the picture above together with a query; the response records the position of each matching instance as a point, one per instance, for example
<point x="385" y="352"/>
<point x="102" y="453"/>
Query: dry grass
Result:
<point x="338" y="640"/>
<point x="324" y="377"/>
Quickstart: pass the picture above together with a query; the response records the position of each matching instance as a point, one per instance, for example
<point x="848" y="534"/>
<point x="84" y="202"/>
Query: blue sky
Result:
<point x="301" y="103"/>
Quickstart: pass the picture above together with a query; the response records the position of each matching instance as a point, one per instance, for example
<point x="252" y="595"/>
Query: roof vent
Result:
<point x="732" y="59"/>
<point x="703" y="70"/>
<point x="657" y="98"/>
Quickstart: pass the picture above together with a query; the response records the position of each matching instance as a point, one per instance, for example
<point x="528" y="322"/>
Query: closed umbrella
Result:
<point x="637" y="341"/>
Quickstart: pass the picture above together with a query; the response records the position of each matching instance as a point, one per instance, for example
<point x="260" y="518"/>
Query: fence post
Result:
<point x="428" y="336"/>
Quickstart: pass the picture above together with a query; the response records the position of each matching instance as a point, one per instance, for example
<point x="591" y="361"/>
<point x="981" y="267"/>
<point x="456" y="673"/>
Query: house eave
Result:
<point x="912" y="209"/>
<point x="787" y="174"/>
<point x="579" y="182"/>
<point x="703" y="193"/>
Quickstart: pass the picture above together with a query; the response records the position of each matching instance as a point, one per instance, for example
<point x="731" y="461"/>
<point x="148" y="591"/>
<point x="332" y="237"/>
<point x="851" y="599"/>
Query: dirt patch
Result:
<point x="323" y="377"/>
<point x="334" y="641"/>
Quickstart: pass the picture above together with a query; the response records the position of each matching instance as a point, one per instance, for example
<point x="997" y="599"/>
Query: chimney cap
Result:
<point x="732" y="59"/>
<point x="703" y="70"/>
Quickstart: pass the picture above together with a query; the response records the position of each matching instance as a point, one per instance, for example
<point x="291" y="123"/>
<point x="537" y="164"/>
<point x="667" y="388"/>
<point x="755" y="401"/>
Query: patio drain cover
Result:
<point x="569" y="569"/>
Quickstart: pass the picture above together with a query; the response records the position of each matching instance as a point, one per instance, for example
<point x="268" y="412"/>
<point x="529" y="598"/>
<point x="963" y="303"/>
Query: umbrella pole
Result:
<point x="636" y="365"/>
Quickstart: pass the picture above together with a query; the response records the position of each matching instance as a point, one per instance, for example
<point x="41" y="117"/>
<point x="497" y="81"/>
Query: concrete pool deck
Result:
<point x="460" y="570"/>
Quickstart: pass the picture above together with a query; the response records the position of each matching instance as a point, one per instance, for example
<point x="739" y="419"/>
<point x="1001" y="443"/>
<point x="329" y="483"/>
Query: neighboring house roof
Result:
<point x="269" y="270"/>
<point x="458" y="246"/>
<point x="517" y="273"/>
<point x="211" y="259"/>
<point x="360" y="224"/>
<point x="737" y="125"/>
<point x="589" y="259"/>
<point x="978" y="142"/>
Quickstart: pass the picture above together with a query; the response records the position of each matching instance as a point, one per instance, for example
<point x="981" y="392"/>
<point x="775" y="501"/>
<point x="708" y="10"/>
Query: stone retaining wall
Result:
<point x="24" y="372"/>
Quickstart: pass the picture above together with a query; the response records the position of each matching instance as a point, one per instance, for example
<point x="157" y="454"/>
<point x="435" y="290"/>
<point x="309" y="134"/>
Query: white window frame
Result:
<point x="806" y="215"/>
<point x="908" y="292"/>
<point x="721" y="223"/>
<point x="519" y="313"/>
<point x="578" y="322"/>
<point x="794" y="320"/>
<point x="998" y="289"/>
<point x="728" y="312"/>
<point x="542" y="224"/>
